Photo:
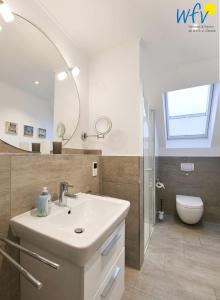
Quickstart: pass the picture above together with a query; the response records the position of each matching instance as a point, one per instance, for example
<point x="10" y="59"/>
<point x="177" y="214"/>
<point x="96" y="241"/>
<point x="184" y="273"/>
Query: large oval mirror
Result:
<point x="33" y="101"/>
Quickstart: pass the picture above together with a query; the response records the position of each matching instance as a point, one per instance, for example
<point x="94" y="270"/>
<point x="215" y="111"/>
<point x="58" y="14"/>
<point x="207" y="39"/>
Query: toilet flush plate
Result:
<point x="187" y="167"/>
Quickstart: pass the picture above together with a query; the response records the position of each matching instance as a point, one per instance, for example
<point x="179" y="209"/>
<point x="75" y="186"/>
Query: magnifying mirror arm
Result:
<point x="84" y="136"/>
<point x="63" y="139"/>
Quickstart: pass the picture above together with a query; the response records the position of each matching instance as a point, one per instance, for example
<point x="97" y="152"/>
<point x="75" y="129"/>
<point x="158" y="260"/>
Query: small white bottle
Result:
<point x="43" y="203"/>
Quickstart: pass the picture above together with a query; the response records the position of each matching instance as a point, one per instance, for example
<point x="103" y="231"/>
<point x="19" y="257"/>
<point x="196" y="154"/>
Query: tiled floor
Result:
<point x="182" y="263"/>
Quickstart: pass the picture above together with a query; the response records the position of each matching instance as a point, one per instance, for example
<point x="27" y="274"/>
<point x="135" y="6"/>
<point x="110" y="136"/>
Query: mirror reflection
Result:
<point x="33" y="98"/>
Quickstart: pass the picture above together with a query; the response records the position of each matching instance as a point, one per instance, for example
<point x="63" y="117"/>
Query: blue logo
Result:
<point x="196" y="14"/>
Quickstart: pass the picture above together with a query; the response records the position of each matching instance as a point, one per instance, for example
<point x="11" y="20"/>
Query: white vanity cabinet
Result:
<point x="113" y="285"/>
<point x="102" y="277"/>
<point x="106" y="268"/>
<point x="86" y="239"/>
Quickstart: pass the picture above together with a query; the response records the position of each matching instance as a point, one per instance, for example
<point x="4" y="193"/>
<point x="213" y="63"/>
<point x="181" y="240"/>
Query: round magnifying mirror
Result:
<point x="103" y="126"/>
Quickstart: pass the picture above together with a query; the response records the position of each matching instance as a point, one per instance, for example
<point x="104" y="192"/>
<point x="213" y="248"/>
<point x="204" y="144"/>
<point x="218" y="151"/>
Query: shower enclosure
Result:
<point x="149" y="173"/>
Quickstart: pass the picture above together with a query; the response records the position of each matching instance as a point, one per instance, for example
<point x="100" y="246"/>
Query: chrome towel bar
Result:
<point x="31" y="253"/>
<point x="36" y="283"/>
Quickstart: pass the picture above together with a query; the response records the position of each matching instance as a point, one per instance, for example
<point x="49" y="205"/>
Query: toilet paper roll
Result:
<point x="160" y="185"/>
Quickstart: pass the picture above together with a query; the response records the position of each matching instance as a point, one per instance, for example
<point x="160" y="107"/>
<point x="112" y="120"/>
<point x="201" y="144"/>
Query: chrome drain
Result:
<point x="79" y="230"/>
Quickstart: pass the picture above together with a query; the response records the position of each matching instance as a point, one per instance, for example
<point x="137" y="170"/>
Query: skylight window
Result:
<point x="188" y="112"/>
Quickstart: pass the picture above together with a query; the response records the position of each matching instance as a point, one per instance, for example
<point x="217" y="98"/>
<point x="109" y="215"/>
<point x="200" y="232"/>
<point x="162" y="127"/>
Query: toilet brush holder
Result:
<point x="161" y="212"/>
<point x="161" y="215"/>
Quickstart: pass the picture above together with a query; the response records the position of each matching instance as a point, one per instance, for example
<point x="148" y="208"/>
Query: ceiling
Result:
<point x="23" y="62"/>
<point x="97" y="25"/>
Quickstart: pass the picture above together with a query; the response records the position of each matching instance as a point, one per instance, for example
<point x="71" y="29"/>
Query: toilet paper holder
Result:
<point x="160" y="185"/>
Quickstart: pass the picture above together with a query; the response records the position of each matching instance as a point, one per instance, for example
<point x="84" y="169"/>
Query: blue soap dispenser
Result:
<point x="43" y="203"/>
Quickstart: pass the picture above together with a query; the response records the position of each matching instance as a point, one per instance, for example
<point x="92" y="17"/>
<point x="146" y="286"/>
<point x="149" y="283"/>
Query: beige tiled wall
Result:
<point x="5" y="171"/>
<point x="30" y="174"/>
<point x="121" y="179"/>
<point x="9" y="279"/>
<point x="81" y="151"/>
<point x="6" y="148"/>
<point x="21" y="180"/>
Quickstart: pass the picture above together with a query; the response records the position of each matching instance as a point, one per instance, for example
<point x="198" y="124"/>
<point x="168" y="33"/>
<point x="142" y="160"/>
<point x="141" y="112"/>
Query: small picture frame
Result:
<point x="11" y="128"/>
<point x="28" y="131"/>
<point x="42" y="133"/>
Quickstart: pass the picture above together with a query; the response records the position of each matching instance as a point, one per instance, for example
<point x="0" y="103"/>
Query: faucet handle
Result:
<point x="65" y="185"/>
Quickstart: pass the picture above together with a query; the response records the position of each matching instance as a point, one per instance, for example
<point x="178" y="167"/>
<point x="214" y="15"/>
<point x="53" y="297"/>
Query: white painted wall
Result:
<point x="160" y="72"/>
<point x="66" y="107"/>
<point x="115" y="92"/>
<point x="38" y="15"/>
<point x="23" y="108"/>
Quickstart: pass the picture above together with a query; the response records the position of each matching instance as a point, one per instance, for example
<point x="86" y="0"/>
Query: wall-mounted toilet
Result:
<point x="190" y="209"/>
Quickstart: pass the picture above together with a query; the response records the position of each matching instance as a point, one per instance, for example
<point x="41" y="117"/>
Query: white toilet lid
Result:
<point x="189" y="201"/>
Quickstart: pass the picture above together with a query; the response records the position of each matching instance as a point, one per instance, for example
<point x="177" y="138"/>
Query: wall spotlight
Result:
<point x="6" y="12"/>
<point x="75" y="72"/>
<point x="62" y="75"/>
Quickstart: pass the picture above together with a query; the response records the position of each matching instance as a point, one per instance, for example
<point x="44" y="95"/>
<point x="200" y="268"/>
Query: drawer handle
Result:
<point x="113" y="278"/>
<point x="111" y="244"/>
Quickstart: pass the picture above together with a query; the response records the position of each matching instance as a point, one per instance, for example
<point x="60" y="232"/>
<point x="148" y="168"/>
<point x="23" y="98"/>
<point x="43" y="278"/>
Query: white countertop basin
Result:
<point x="98" y="216"/>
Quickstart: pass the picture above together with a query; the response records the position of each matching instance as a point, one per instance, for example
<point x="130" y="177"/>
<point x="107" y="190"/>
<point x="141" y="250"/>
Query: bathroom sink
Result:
<point x="73" y="232"/>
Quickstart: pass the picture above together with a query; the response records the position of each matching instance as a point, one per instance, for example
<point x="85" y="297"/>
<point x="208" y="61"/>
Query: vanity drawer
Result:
<point x="100" y="264"/>
<point x="113" y="285"/>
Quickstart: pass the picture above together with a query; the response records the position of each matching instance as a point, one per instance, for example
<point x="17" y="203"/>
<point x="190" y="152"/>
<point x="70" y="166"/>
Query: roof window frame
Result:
<point x="208" y="113"/>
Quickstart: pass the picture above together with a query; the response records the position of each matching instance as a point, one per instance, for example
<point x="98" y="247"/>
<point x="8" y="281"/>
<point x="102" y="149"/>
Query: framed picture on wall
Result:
<point x="28" y="131"/>
<point x="42" y="133"/>
<point x="11" y="128"/>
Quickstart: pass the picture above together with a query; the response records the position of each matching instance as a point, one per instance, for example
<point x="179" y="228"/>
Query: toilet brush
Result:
<point x="161" y="212"/>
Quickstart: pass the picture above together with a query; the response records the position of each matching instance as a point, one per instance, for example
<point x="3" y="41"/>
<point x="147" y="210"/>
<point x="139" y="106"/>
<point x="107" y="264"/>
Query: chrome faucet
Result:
<point x="64" y="192"/>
